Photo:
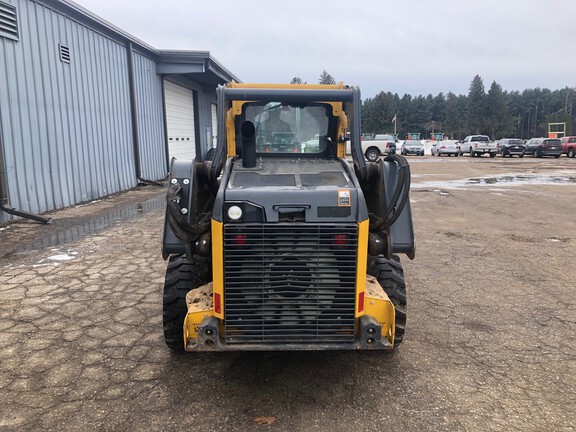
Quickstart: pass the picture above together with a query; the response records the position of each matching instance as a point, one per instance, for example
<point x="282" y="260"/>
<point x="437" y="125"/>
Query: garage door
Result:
<point x="180" y="121"/>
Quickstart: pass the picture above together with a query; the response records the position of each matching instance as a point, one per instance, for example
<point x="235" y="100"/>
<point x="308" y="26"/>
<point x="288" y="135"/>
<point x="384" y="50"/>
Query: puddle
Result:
<point x="86" y="226"/>
<point x="569" y="178"/>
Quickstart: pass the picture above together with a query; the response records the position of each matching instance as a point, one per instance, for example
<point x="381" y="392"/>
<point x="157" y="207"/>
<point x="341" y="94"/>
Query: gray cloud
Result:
<point x="414" y="47"/>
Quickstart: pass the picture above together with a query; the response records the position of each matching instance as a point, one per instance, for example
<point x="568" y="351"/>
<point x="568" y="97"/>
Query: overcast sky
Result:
<point x="404" y="46"/>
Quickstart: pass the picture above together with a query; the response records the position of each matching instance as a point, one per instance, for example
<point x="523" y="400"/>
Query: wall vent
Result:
<point x="64" y="53"/>
<point x="8" y="22"/>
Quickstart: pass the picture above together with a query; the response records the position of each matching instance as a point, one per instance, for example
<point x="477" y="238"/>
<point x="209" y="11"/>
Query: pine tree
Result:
<point x="497" y="120"/>
<point x="326" y="78"/>
<point x="476" y="104"/>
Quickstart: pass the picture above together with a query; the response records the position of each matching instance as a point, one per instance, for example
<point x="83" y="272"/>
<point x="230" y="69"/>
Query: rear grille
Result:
<point x="289" y="283"/>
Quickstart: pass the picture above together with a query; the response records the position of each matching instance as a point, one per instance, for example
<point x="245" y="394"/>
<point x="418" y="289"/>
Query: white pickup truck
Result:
<point x="477" y="145"/>
<point x="379" y="145"/>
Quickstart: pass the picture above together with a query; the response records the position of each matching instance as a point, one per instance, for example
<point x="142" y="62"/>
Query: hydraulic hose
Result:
<point x="400" y="195"/>
<point x="183" y="229"/>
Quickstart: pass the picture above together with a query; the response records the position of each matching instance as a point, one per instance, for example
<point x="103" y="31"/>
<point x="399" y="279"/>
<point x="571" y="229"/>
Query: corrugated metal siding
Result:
<point x="66" y="127"/>
<point x="150" y="118"/>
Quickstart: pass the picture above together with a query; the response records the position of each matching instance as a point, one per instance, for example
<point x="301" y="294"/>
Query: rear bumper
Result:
<point x="413" y="151"/>
<point x="551" y="152"/>
<point x="513" y="151"/>
<point x="209" y="339"/>
<point x="485" y="150"/>
<point x="372" y="331"/>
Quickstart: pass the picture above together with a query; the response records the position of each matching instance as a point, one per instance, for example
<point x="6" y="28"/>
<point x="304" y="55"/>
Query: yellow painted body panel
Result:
<point x="218" y="266"/>
<point x="199" y="303"/>
<point x="230" y="132"/>
<point x="236" y="110"/>
<point x="378" y="305"/>
<point x="342" y="126"/>
<point x="234" y="84"/>
<point x="361" y="263"/>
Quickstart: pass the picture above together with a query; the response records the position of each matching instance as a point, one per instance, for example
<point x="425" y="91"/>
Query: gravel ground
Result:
<point x="490" y="343"/>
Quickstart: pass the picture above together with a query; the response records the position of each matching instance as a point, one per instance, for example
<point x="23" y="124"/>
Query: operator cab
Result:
<point x="290" y="130"/>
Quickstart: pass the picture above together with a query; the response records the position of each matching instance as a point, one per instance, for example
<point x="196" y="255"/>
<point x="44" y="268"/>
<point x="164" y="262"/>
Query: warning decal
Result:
<point x="343" y="197"/>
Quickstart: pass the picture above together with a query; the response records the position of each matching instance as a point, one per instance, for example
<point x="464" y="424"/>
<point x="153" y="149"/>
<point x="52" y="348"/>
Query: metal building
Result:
<point x="87" y="110"/>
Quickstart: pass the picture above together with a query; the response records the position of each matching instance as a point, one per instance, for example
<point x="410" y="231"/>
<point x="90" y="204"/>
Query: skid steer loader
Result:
<point x="280" y="243"/>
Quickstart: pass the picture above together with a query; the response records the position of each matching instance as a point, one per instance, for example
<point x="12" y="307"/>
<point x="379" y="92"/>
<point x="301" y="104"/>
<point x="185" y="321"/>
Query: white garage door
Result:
<point x="180" y="121"/>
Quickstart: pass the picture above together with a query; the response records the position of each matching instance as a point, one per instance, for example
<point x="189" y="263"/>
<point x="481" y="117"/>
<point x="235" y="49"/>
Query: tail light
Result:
<point x="387" y="145"/>
<point x="361" y="302"/>
<point x="240" y="239"/>
<point x="340" y="239"/>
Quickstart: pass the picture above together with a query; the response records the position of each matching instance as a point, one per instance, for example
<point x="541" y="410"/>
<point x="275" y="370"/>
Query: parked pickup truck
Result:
<point x="568" y="144"/>
<point x="477" y="145"/>
<point x="382" y="144"/>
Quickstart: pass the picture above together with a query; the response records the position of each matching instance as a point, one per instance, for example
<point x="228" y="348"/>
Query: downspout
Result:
<point x="165" y="120"/>
<point x="4" y="192"/>
<point x="134" y="118"/>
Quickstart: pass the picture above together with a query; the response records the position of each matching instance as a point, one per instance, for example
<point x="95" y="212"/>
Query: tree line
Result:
<point x="496" y="113"/>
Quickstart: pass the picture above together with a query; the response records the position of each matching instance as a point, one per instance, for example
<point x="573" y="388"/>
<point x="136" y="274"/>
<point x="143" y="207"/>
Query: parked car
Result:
<point x="413" y="147"/>
<point x="540" y="147"/>
<point x="511" y="147"/>
<point x="568" y="144"/>
<point x="446" y="147"/>
<point x="477" y="145"/>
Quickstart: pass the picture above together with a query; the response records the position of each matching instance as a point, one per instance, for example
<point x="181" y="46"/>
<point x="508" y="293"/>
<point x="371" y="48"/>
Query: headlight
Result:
<point x="234" y="213"/>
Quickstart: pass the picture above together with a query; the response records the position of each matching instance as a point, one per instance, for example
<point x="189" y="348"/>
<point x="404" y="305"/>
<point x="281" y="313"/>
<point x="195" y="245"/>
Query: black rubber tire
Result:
<point x="472" y="154"/>
<point x="372" y="154"/>
<point x="492" y="155"/>
<point x="571" y="152"/>
<point x="557" y="156"/>
<point x="521" y="155"/>
<point x="539" y="153"/>
<point x="182" y="275"/>
<point x="390" y="275"/>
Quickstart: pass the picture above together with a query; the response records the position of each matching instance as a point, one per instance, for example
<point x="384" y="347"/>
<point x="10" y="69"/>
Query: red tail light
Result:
<point x="340" y="239"/>
<point x="361" y="302"/>
<point x="217" y="303"/>
<point x="387" y="145"/>
<point x="443" y="146"/>
<point x="240" y="239"/>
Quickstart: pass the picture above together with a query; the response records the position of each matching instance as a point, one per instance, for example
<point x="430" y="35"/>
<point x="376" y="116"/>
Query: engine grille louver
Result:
<point x="289" y="283"/>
